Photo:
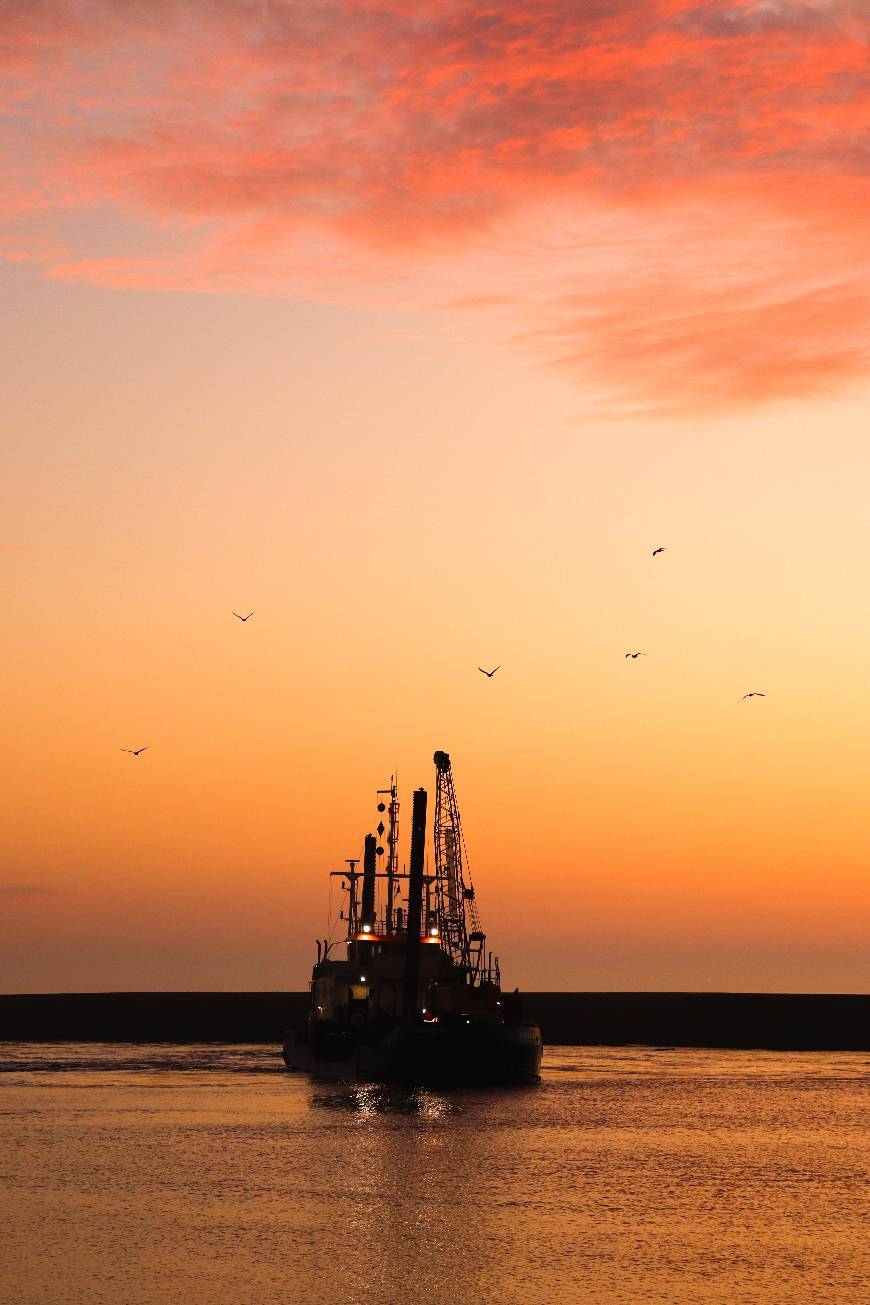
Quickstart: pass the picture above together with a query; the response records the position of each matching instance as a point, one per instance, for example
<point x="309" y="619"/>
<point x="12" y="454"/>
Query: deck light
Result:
<point x="433" y="932"/>
<point x="367" y="928"/>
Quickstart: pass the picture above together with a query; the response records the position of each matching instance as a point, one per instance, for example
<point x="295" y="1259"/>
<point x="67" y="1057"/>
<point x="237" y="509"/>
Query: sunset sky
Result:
<point x="415" y="329"/>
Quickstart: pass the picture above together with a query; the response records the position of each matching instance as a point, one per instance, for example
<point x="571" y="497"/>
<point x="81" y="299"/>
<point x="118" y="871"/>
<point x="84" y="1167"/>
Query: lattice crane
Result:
<point x="456" y="915"/>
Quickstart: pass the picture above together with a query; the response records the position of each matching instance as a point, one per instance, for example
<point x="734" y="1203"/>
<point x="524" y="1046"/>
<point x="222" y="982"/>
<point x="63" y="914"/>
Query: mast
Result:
<point x="352" y="875"/>
<point x="392" y="832"/>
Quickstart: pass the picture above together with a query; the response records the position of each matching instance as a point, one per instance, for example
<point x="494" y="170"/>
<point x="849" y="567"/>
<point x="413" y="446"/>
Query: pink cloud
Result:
<point x="317" y="147"/>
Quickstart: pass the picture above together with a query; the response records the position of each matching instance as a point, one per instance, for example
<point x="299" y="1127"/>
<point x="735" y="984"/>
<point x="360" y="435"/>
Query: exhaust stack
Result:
<point x="415" y="903"/>
<point x="368" y="890"/>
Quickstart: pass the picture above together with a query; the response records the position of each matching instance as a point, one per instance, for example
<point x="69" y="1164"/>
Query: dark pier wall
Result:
<point x="778" y="1021"/>
<point x="668" y="1019"/>
<point x="151" y="1016"/>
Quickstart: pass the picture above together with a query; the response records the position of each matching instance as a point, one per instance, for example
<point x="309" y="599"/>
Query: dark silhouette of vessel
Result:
<point x="416" y="997"/>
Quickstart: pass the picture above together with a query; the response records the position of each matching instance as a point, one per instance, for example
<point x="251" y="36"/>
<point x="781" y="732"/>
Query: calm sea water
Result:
<point x="210" y="1176"/>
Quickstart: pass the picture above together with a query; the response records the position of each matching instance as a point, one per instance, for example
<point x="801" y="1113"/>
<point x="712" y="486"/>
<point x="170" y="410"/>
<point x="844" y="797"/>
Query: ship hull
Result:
<point x="446" y="1053"/>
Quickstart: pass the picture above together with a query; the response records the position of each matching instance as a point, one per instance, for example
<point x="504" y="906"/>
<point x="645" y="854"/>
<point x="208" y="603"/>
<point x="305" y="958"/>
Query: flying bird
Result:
<point x="134" y="752"/>
<point x="491" y="673"/>
<point x="753" y="695"/>
<point x="243" y="618"/>
<point x="658" y="550"/>
<point x="637" y="654"/>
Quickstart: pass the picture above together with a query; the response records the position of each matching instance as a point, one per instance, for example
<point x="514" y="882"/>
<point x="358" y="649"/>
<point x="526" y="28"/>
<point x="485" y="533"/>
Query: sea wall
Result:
<point x="674" y="1019"/>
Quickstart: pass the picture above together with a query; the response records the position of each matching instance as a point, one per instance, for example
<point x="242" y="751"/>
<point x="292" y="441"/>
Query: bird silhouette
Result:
<point x="134" y="752"/>
<point x="658" y="550"/>
<point x="491" y="673"/>
<point x="753" y="695"/>
<point x="637" y="654"/>
<point x="243" y="618"/>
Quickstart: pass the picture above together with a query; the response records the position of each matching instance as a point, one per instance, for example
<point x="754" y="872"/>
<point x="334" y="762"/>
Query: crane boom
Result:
<point x="456" y="912"/>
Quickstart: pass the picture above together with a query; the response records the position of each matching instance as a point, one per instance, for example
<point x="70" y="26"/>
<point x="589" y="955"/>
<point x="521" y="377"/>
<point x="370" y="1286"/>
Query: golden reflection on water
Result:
<point x="209" y="1176"/>
<point x="378" y="1099"/>
<point x="406" y="1210"/>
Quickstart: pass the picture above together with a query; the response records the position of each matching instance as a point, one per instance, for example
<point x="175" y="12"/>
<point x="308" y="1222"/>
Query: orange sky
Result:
<point x="416" y="334"/>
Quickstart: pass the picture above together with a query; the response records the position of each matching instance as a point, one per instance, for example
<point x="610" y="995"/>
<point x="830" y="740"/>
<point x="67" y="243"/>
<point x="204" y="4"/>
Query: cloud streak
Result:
<point x="324" y="149"/>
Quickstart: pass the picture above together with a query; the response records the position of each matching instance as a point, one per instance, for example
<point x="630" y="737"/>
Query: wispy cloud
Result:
<point x="324" y="148"/>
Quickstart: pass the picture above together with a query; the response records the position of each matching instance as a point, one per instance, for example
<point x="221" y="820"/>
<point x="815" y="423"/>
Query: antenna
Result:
<point x="352" y="875"/>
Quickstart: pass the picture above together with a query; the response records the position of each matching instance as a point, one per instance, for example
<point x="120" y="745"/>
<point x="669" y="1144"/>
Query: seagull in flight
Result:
<point x="658" y="550"/>
<point x="491" y="673"/>
<point x="134" y="752"/>
<point x="753" y="695"/>
<point x="637" y="654"/>
<point x="243" y="618"/>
